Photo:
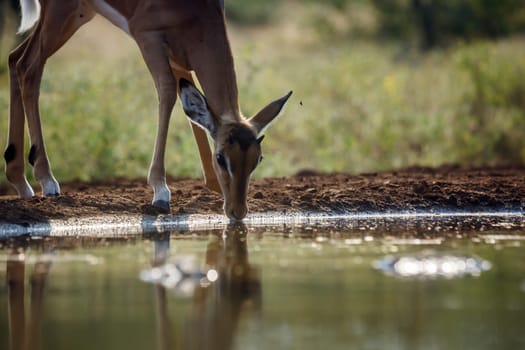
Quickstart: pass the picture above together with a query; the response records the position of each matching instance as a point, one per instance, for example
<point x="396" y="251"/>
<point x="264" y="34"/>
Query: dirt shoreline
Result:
<point x="431" y="189"/>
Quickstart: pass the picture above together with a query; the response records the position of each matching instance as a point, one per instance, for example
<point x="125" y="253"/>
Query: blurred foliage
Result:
<point x="438" y="22"/>
<point x="8" y="18"/>
<point x="250" y="12"/>
<point x="338" y="4"/>
<point x="495" y="105"/>
<point x="433" y="22"/>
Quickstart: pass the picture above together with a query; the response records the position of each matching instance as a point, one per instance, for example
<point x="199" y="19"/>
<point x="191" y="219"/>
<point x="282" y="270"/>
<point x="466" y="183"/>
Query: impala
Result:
<point x="175" y="37"/>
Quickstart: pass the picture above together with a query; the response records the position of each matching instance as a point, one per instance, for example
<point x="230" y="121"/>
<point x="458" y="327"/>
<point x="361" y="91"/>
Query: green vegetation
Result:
<point x="438" y="22"/>
<point x="359" y="104"/>
<point x="251" y="12"/>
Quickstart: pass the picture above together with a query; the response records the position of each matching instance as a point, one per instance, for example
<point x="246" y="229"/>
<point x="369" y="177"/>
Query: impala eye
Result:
<point x="260" y="159"/>
<point x="221" y="160"/>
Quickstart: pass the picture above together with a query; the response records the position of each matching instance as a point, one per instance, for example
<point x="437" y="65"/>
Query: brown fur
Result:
<point x="175" y="37"/>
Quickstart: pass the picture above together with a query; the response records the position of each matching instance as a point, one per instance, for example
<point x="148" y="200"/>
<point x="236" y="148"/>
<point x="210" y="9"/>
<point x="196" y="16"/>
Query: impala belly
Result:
<point x="111" y="14"/>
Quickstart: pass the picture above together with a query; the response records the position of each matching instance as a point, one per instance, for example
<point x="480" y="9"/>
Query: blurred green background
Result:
<point x="378" y="85"/>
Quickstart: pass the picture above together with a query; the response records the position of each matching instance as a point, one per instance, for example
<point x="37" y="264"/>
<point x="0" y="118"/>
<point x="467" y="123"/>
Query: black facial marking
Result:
<point x="32" y="155"/>
<point x="242" y="135"/>
<point x="10" y="153"/>
<point x="183" y="83"/>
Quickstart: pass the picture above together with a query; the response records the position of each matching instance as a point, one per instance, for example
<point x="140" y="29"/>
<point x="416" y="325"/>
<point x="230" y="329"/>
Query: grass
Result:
<point x="359" y="105"/>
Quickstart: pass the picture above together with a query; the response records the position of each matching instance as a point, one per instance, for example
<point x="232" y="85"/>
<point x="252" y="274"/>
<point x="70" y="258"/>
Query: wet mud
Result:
<point x="415" y="189"/>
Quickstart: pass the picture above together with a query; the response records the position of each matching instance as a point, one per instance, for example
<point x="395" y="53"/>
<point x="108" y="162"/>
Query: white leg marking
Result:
<point x="50" y="187"/>
<point x="23" y="189"/>
<point x="161" y="194"/>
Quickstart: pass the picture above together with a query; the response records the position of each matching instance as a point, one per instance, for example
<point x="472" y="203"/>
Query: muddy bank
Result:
<point x="445" y="188"/>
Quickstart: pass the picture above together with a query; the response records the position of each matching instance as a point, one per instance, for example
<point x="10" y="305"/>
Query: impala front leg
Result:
<point x="157" y="171"/>
<point x="155" y="55"/>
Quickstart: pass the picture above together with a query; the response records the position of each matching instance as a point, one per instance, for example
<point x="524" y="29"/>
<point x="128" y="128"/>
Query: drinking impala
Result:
<point x="175" y="37"/>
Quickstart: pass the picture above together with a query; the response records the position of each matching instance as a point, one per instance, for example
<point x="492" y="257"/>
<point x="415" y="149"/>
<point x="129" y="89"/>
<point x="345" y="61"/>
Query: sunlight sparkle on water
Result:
<point x="432" y="266"/>
<point x="212" y="275"/>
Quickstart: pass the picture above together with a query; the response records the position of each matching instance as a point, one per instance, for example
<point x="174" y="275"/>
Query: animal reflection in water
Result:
<point x="25" y="334"/>
<point x="217" y="307"/>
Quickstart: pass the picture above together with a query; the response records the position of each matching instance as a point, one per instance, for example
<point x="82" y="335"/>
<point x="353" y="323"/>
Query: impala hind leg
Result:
<point x="29" y="72"/>
<point x="58" y="21"/>
<point x="154" y="51"/>
<point x="14" y="153"/>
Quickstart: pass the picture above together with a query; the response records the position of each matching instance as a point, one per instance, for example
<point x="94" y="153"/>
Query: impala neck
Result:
<point x="195" y="32"/>
<point x="213" y="64"/>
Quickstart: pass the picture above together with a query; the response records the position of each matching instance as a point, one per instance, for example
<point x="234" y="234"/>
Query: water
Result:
<point x="330" y="285"/>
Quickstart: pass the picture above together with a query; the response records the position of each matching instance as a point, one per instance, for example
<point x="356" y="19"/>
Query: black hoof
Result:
<point x="163" y="206"/>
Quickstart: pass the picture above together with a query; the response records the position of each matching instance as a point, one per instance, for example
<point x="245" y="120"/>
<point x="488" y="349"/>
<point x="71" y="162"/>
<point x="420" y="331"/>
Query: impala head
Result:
<point x="237" y="150"/>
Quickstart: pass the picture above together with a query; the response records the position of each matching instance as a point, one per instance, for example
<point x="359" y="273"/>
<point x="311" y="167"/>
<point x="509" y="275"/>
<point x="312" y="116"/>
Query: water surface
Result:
<point x="283" y="287"/>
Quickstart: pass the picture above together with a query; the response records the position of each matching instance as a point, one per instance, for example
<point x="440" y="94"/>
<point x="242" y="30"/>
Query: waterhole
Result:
<point x="368" y="282"/>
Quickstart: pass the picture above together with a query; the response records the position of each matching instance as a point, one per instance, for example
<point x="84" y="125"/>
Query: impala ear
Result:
<point x="266" y="115"/>
<point x="196" y="108"/>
